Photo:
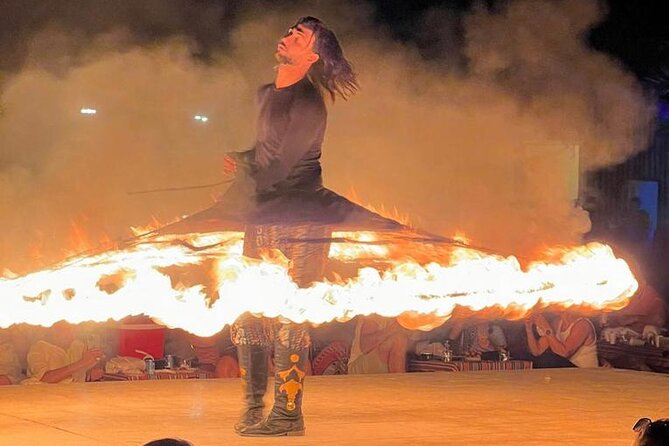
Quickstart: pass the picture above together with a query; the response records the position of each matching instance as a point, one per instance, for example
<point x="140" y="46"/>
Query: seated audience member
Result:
<point x="216" y="354"/>
<point x="570" y="341"/>
<point x="639" y="322"/>
<point x="10" y="366"/>
<point x="379" y="346"/>
<point x="62" y="358"/>
<point x="472" y="337"/>
<point x="645" y="308"/>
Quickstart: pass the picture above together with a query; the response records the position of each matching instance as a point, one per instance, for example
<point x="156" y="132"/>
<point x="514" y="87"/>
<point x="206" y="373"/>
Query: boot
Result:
<point x="286" y="415"/>
<point x="253" y="372"/>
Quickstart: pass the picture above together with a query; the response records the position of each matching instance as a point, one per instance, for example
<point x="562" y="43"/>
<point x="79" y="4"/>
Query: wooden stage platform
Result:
<point x="536" y="407"/>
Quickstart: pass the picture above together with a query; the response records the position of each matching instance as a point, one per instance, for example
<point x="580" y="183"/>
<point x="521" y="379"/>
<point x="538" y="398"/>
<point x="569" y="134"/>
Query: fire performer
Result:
<point x="278" y="186"/>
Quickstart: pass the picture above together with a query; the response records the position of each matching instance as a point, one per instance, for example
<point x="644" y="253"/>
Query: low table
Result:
<point x="159" y="374"/>
<point x="435" y="365"/>
<point x="634" y="357"/>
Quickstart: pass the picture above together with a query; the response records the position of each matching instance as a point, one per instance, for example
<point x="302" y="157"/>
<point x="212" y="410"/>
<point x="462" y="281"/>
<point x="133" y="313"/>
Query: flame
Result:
<point x="44" y="249"/>
<point x="356" y="245"/>
<point x="150" y="227"/>
<point x="460" y="236"/>
<point x="79" y="239"/>
<point x="202" y="282"/>
<point x="393" y="214"/>
<point x="36" y="249"/>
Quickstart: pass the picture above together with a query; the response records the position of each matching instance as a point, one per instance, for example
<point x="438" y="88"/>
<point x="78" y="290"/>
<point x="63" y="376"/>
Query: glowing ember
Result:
<point x="357" y="246"/>
<point x="201" y="282"/>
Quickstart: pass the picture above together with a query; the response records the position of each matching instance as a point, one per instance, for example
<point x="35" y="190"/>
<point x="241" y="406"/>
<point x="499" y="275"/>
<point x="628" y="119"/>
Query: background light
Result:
<point x="88" y="111"/>
<point x="201" y="118"/>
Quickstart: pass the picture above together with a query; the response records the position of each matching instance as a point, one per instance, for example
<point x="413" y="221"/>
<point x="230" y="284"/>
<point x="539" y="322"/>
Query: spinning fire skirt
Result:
<point x="306" y="248"/>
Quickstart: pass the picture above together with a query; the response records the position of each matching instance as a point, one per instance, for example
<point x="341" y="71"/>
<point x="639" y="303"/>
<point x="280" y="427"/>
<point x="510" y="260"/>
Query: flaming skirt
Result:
<point x="307" y="265"/>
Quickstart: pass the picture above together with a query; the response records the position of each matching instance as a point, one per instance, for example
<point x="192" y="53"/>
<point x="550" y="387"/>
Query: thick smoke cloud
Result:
<point x="205" y="22"/>
<point x="484" y="141"/>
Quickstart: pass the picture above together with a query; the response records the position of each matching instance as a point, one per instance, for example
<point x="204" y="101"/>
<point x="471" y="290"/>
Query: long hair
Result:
<point x="332" y="73"/>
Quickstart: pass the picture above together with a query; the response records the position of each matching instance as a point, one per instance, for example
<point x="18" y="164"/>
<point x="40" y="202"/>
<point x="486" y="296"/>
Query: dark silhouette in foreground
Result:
<point x="169" y="442"/>
<point x="652" y="433"/>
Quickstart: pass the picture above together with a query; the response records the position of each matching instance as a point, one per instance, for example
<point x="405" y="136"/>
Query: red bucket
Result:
<point x="149" y="338"/>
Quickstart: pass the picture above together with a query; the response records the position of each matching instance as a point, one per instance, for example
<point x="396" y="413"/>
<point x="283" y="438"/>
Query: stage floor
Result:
<point x="537" y="407"/>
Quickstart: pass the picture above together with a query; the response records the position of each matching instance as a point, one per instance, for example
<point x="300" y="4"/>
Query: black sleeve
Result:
<point x="246" y="160"/>
<point x="306" y="121"/>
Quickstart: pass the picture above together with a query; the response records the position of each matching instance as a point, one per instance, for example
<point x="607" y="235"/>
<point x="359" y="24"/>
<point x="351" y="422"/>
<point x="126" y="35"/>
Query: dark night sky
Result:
<point x="635" y="32"/>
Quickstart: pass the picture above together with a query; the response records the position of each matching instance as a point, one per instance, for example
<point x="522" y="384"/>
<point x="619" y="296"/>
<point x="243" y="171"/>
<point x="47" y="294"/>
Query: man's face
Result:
<point x="62" y="334"/>
<point x="296" y="47"/>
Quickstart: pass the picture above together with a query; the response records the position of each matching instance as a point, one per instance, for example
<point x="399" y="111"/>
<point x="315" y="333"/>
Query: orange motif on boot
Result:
<point x="291" y="387"/>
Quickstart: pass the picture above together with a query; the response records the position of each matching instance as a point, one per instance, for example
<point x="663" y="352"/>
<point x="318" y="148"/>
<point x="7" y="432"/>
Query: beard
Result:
<point x="283" y="59"/>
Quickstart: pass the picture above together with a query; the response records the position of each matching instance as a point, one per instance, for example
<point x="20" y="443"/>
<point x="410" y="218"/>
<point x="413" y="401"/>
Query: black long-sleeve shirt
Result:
<point x="290" y="130"/>
<point x="280" y="178"/>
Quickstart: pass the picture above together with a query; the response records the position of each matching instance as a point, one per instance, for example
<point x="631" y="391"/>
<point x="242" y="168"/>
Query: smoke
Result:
<point x="493" y="150"/>
<point x="205" y="22"/>
<point x="484" y="137"/>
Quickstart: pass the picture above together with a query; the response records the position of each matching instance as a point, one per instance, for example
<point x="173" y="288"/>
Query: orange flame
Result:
<point x="393" y="214"/>
<point x="149" y="227"/>
<point x="158" y="276"/>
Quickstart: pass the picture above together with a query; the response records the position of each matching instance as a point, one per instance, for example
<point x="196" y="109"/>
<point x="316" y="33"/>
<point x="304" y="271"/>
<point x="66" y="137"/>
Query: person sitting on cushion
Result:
<point x="63" y="358"/>
<point x="571" y="339"/>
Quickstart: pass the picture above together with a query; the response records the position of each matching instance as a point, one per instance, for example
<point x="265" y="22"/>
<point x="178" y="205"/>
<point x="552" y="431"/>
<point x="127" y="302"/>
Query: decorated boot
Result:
<point x="286" y="415"/>
<point x="253" y="372"/>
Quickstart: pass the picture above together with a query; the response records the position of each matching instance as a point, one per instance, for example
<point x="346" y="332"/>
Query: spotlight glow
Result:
<point x="88" y="111"/>
<point x="201" y="118"/>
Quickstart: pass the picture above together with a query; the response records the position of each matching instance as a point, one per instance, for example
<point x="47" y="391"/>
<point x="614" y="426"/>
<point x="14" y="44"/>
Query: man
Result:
<point x="472" y="336"/>
<point x="282" y="198"/>
<point x="216" y="354"/>
<point x="571" y="339"/>
<point x="63" y="359"/>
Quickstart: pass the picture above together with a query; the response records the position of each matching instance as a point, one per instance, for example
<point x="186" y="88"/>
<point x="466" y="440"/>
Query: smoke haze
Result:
<point x="483" y="138"/>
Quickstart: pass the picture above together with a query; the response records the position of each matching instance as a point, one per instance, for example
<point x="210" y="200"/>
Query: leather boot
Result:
<point x="286" y="415"/>
<point x="253" y="372"/>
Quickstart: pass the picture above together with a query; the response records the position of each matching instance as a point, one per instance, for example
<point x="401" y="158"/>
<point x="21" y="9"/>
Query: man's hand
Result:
<point x="542" y="324"/>
<point x="91" y="357"/>
<point x="229" y="165"/>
